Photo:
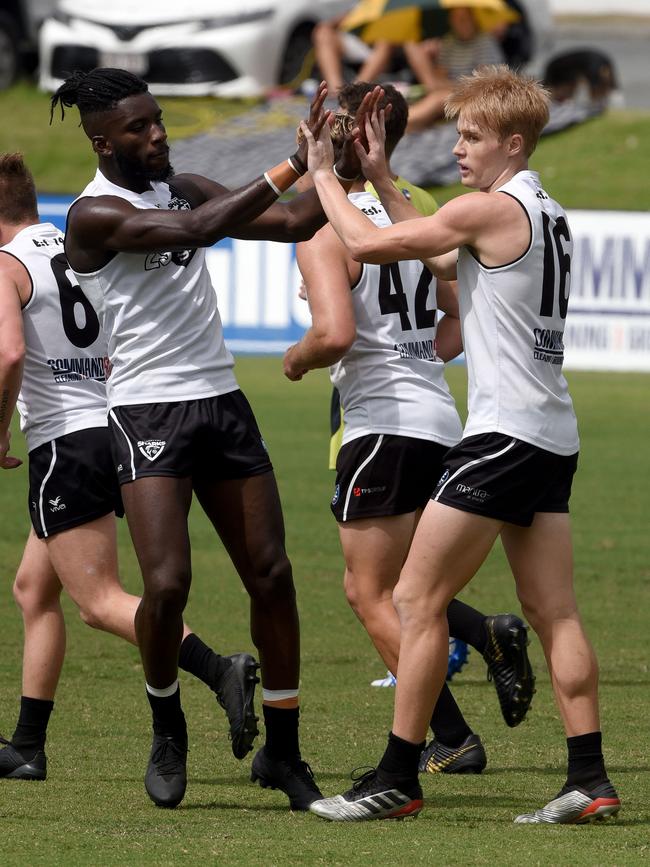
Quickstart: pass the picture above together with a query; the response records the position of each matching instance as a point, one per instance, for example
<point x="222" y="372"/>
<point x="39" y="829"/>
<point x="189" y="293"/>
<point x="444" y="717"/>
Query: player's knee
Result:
<point x="92" y="615"/>
<point x="274" y="583"/>
<point x="32" y="595"/>
<point x="417" y="608"/>
<point x="541" y="613"/>
<point x="366" y="605"/>
<point x="167" y="593"/>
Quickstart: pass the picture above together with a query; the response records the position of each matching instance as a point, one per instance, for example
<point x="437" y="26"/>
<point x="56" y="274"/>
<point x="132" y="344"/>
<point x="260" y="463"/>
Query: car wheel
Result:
<point x="9" y="59"/>
<point x="298" y="58"/>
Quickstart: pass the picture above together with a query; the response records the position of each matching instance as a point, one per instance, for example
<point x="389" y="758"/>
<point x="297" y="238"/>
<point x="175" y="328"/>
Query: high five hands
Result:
<point x="363" y="146"/>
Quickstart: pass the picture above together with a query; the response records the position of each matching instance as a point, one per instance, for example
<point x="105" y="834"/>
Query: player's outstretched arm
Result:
<point x="107" y="224"/>
<point x="12" y="348"/>
<point x="457" y="223"/>
<point x="328" y="274"/>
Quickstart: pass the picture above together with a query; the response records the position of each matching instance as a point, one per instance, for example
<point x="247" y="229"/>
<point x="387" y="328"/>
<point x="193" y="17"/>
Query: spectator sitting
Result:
<point x="458" y="53"/>
<point x="334" y="48"/>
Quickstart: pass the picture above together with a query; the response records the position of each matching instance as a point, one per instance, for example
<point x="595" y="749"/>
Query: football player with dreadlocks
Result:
<point x="179" y="424"/>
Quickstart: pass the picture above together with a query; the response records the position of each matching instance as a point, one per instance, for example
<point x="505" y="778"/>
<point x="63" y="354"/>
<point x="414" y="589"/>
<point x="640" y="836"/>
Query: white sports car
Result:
<point x="225" y="47"/>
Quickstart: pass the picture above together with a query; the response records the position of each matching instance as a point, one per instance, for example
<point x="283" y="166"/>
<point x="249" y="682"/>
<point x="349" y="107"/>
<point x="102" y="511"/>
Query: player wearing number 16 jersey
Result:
<point x="511" y="474"/>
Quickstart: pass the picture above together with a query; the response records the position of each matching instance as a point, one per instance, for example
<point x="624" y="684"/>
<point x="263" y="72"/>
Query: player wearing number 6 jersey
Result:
<point x="52" y="349"/>
<point x="511" y="474"/>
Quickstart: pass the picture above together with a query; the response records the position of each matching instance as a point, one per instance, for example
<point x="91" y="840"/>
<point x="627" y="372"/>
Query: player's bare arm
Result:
<point x="15" y="289"/>
<point x="328" y="272"/>
<point x="449" y="340"/>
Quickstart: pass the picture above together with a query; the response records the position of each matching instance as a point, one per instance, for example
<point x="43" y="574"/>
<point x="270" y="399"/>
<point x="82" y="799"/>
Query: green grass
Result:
<point x="93" y="809"/>
<point x="599" y="164"/>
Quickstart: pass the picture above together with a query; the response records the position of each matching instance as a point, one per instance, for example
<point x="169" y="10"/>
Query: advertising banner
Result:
<point x="608" y="327"/>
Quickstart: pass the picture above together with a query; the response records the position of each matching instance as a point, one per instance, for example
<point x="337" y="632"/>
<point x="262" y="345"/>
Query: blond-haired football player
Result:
<point x="510" y="246"/>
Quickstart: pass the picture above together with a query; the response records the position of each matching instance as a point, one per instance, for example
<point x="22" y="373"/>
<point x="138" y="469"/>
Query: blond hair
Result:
<point x="17" y="192"/>
<point x="503" y="101"/>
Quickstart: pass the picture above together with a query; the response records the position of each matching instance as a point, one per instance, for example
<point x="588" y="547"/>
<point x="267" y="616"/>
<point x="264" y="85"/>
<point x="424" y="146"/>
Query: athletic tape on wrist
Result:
<point x="282" y="176"/>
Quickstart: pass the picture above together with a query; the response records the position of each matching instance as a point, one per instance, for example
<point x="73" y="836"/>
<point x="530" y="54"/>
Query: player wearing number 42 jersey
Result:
<point x="377" y="328"/>
<point x="52" y="349"/>
<point x="510" y="476"/>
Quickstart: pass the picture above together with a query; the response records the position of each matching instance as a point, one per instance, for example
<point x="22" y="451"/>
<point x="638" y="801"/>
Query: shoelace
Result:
<point x="167" y="764"/>
<point x="302" y="771"/>
<point x="361" y="778"/>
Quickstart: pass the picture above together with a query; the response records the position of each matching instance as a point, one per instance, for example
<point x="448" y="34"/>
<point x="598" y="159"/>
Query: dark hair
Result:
<point x="351" y="96"/>
<point x="17" y="191"/>
<point x="98" y="90"/>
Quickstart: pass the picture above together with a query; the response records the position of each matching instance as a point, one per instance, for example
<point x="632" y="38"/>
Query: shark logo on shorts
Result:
<point x="151" y="449"/>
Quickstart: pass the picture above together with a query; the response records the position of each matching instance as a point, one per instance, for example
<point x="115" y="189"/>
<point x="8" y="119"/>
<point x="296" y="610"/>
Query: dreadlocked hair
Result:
<point x="98" y="90"/>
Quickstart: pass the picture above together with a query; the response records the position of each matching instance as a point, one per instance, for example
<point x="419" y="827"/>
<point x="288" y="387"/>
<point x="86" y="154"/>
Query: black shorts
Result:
<point x="505" y="478"/>
<point x="382" y="474"/>
<point x="212" y="438"/>
<point x="72" y="481"/>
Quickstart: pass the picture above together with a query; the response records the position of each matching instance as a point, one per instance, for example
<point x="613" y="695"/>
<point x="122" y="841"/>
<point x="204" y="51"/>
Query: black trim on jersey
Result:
<point x="527" y="250"/>
<point x="178" y="193"/>
<point x="335" y="411"/>
<point x="354" y="286"/>
<point x="29" y="274"/>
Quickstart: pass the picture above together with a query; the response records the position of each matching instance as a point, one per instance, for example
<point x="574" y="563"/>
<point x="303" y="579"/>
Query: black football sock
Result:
<point x="467" y="624"/>
<point x="200" y="660"/>
<point x="168" y="717"/>
<point x="282" y="732"/>
<point x="31" y="729"/>
<point x="447" y="723"/>
<point x="399" y="764"/>
<point x="586" y="766"/>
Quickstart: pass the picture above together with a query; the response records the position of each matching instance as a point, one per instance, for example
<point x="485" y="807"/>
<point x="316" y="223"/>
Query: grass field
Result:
<point x="93" y="808"/>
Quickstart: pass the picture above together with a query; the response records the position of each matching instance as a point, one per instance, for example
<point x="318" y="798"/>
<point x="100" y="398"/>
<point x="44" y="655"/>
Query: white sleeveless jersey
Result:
<point x="513" y="328"/>
<point x="391" y="380"/>
<point x="63" y="387"/>
<point x="159" y="312"/>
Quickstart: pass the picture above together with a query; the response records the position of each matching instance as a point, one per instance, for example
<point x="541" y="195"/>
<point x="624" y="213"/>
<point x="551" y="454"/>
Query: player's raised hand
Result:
<point x="320" y="154"/>
<point x="315" y="122"/>
<point x="372" y="157"/>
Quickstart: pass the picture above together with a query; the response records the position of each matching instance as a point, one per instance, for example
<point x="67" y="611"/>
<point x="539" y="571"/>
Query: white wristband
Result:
<point x="341" y="178"/>
<point x="296" y="170"/>
<point x="271" y="184"/>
